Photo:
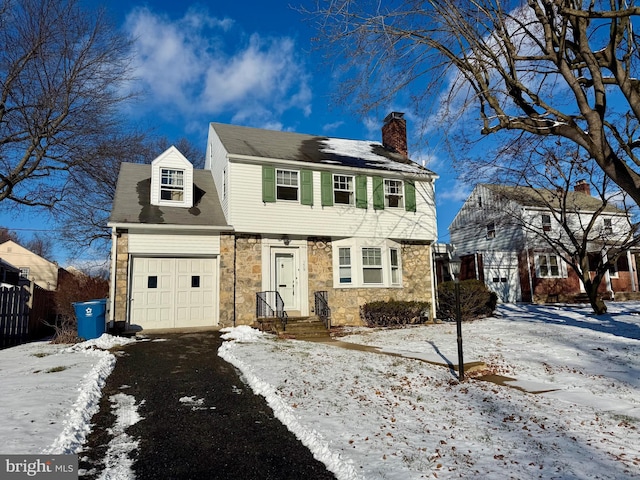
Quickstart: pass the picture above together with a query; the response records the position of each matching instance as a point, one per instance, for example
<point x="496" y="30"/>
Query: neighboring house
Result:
<point x="518" y="264"/>
<point x="32" y="267"/>
<point x="9" y="274"/>
<point x="272" y="212"/>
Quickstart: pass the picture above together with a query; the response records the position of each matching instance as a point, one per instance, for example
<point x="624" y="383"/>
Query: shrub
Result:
<point x="394" y="313"/>
<point x="476" y="301"/>
<point x="74" y="287"/>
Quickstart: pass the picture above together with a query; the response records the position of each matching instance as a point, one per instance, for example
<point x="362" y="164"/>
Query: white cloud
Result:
<point x="204" y="66"/>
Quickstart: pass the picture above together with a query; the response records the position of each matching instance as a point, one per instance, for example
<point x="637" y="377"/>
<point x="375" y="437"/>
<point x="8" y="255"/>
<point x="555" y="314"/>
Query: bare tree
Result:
<point x="40" y="244"/>
<point x="546" y="68"/>
<point x="62" y="72"/>
<point x="565" y="204"/>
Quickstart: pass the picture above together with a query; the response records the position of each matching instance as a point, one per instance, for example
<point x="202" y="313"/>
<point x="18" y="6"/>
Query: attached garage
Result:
<point x="173" y="292"/>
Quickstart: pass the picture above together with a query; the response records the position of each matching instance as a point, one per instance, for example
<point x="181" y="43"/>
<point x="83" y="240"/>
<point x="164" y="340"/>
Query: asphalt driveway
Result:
<point x="234" y="434"/>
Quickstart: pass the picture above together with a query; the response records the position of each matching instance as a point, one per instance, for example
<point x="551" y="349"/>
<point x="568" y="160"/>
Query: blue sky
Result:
<point x="248" y="63"/>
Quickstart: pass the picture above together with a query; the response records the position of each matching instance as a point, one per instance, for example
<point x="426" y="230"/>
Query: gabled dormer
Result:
<point x="172" y="180"/>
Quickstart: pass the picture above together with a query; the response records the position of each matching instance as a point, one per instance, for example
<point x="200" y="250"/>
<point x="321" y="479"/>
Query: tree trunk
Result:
<point x="598" y="305"/>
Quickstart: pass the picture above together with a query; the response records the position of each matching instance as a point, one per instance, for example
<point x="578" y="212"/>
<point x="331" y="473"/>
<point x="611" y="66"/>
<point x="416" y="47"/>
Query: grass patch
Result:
<point x="40" y="354"/>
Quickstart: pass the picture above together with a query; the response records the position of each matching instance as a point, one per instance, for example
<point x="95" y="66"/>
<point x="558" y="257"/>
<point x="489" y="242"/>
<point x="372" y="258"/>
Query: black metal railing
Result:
<point x="269" y="304"/>
<point x="322" y="307"/>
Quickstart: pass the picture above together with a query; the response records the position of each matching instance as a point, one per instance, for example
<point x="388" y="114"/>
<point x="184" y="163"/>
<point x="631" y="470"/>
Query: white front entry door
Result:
<point x="285" y="279"/>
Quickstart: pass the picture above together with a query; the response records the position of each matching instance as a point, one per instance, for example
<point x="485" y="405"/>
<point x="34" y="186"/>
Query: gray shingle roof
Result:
<point x="132" y="202"/>
<point x="535" y="197"/>
<point x="272" y="144"/>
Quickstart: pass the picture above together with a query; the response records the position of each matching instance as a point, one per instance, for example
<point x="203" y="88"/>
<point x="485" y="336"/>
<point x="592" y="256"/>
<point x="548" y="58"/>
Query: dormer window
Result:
<point x="172" y="185"/>
<point x="172" y="180"/>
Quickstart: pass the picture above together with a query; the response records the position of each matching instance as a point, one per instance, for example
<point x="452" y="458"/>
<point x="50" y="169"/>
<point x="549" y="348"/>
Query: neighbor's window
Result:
<point x="344" y="259"/>
<point x="286" y="185"/>
<point x="491" y="230"/>
<point x="343" y="189"/>
<point x="546" y="223"/>
<point x="371" y="265"/>
<point x="172" y="185"/>
<point x="608" y="226"/>
<point x="393" y="193"/>
<point x="394" y="259"/>
<point x="548" y="266"/>
<point x="24" y="272"/>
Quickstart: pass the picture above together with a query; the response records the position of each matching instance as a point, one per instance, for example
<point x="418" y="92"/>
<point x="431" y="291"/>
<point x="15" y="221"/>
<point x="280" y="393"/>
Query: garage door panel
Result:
<point x="182" y="293"/>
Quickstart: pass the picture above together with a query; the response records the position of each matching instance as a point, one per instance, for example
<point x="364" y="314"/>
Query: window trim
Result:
<point x="547" y="256"/>
<point x="387" y="195"/>
<point x="351" y="192"/>
<point x="356" y="247"/>
<point x="279" y="185"/>
<point x="175" y="183"/>
<point x="491" y="230"/>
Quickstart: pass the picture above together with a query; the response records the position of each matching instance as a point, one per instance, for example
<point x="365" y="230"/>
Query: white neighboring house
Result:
<point x="274" y="212"/>
<point x="516" y="263"/>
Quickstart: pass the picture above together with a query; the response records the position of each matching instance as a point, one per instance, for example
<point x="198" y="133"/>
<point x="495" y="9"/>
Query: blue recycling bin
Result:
<point x="91" y="318"/>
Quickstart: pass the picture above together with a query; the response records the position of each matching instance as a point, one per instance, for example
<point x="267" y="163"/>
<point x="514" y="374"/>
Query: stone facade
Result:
<point x="227" y="280"/>
<point x="248" y="278"/>
<point x="122" y="276"/>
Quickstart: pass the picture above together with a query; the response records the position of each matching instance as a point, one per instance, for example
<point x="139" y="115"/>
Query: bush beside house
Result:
<point x="476" y="301"/>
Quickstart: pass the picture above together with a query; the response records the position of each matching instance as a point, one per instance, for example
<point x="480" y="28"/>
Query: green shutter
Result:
<point x="326" y="188"/>
<point x="306" y="187"/>
<point x="409" y="196"/>
<point x="378" y="193"/>
<point x="268" y="184"/>
<point x="361" y="191"/>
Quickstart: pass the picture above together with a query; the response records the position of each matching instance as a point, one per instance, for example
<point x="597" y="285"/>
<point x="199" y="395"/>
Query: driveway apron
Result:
<point x="230" y="434"/>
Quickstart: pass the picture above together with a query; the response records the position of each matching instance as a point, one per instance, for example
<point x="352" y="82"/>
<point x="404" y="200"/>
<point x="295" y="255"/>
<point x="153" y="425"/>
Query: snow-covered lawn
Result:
<point x="376" y="416"/>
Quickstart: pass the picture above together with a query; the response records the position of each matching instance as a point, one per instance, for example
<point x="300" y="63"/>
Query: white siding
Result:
<point x="216" y="160"/>
<point x="153" y="243"/>
<point x="248" y="213"/>
<point x="172" y="158"/>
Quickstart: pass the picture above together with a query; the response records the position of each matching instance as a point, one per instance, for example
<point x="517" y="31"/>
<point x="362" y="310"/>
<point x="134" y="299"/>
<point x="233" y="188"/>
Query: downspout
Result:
<point x="475" y="265"/>
<point x="112" y="287"/>
<point x="434" y="283"/>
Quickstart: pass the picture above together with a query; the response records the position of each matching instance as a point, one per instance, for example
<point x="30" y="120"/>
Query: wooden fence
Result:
<point x="23" y="311"/>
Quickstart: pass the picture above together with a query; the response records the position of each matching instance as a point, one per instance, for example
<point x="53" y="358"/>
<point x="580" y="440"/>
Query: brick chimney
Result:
<point x="583" y="187"/>
<point x="394" y="133"/>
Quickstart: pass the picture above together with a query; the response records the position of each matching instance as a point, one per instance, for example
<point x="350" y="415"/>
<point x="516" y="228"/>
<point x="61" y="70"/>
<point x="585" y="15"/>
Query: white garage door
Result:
<point x="173" y="292"/>
<point x="501" y="275"/>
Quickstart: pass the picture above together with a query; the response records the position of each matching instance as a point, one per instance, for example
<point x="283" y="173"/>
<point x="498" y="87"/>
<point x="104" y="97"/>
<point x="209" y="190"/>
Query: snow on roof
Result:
<point x="366" y="150"/>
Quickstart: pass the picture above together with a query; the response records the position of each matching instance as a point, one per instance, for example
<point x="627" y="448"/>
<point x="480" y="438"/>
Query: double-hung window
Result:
<point x="546" y="222"/>
<point x="287" y="185"/>
<point x="491" y="230"/>
<point x="393" y="193"/>
<point x="344" y="261"/>
<point x="343" y="191"/>
<point x="548" y="265"/>
<point x="608" y="226"/>
<point x="172" y="185"/>
<point x="372" y="265"/>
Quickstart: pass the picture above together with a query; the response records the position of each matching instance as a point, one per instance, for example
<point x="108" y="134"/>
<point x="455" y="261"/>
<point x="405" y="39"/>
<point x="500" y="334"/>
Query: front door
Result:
<point x="286" y="279"/>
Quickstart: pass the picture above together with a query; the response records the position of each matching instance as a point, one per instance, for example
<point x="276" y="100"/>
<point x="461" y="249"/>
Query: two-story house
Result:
<point x="272" y="211"/>
<point x="504" y="237"/>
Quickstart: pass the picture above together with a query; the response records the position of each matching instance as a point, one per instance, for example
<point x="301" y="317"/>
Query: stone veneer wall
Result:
<point x="248" y="278"/>
<point x="345" y="302"/>
<point x="122" y="275"/>
<point x="227" y="280"/>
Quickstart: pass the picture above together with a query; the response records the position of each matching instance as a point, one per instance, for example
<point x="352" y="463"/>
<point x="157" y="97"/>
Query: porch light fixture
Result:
<point x="286" y="240"/>
<point x="454" y="264"/>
